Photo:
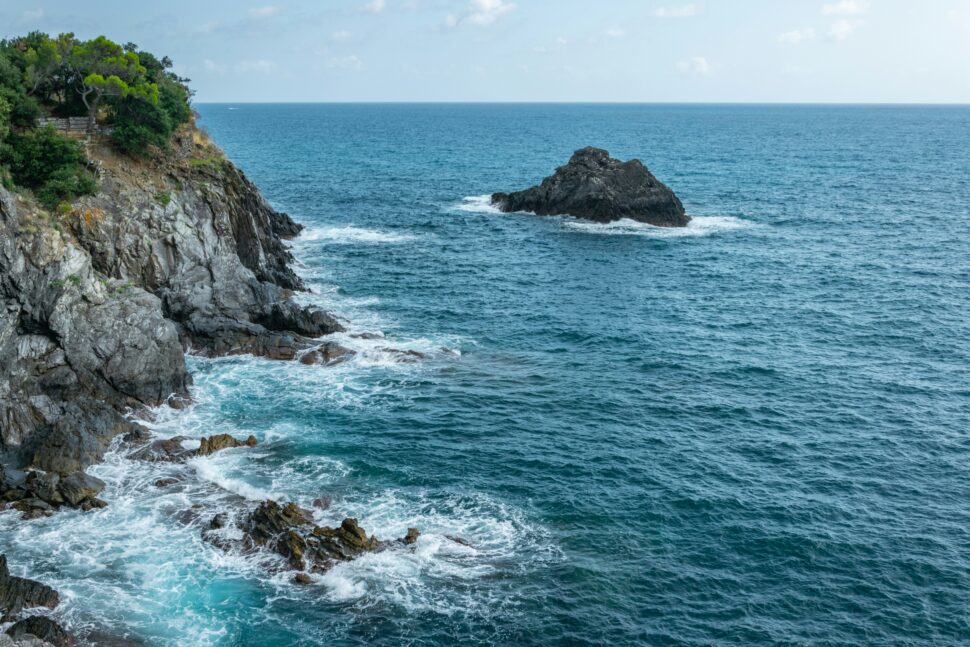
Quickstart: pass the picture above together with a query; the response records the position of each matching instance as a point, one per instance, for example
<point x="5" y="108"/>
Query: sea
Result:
<point x="754" y="430"/>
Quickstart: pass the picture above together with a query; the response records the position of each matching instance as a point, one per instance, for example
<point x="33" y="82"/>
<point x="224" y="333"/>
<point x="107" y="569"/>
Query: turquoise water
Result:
<point x="750" y="432"/>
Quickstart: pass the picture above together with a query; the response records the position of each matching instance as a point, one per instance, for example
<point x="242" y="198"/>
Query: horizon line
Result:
<point x="600" y="103"/>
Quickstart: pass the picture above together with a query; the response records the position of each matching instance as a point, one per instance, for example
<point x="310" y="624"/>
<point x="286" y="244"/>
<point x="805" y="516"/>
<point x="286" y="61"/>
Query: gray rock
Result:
<point x="597" y="187"/>
<point x="79" y="487"/>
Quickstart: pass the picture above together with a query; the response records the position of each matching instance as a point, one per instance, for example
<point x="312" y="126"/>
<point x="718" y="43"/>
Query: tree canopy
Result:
<point x="132" y="91"/>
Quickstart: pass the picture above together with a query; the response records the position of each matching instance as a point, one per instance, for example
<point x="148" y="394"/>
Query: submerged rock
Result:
<point x="594" y="186"/>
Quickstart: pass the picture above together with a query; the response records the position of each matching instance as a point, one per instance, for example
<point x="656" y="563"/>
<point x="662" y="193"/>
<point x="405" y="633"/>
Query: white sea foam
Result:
<point x="698" y="226"/>
<point x="352" y="234"/>
<point x="477" y="204"/>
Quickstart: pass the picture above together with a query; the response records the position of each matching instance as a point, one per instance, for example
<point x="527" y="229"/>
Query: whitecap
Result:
<point x="698" y="226"/>
<point x="351" y="234"/>
<point x="477" y="204"/>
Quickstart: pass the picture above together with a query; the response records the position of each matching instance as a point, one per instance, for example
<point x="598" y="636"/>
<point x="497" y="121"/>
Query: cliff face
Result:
<point x="97" y="305"/>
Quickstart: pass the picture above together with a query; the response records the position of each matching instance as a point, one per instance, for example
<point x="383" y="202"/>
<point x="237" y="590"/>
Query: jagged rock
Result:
<point x="412" y="536"/>
<point x="216" y="443"/>
<point x="18" y="593"/>
<point x="80" y="487"/>
<point x="42" y="628"/>
<point x="597" y="187"/>
<point x="219" y="521"/>
<point x="302" y="578"/>
<point x="160" y="483"/>
<point x="326" y="354"/>
<point x="323" y="502"/>
<point x="289" y="531"/>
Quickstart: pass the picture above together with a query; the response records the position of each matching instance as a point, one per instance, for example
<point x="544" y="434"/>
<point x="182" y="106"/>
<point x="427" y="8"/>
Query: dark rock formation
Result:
<point x="597" y="187"/>
<point x="37" y="494"/>
<point x="216" y="443"/>
<point x="289" y="531"/>
<point x="43" y="628"/>
<point x="18" y="593"/>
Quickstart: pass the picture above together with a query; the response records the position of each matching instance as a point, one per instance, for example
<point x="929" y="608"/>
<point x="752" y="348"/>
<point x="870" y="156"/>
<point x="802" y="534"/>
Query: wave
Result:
<point x="698" y="226"/>
<point x="352" y="234"/>
<point x="477" y="204"/>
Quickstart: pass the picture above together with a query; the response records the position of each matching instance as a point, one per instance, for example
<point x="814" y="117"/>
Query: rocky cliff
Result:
<point x="98" y="302"/>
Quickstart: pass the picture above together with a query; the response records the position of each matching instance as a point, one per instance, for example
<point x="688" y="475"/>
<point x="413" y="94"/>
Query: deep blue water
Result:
<point x="755" y="431"/>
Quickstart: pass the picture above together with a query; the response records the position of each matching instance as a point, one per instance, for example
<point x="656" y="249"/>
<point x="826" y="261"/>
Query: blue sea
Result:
<point x="751" y="431"/>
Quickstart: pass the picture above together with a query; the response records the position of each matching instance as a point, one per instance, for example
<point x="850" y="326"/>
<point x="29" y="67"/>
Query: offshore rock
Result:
<point x="216" y="443"/>
<point x="289" y="530"/>
<point x="594" y="186"/>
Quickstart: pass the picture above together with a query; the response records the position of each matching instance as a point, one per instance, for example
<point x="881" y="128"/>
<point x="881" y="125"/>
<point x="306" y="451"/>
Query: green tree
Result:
<point x="108" y="70"/>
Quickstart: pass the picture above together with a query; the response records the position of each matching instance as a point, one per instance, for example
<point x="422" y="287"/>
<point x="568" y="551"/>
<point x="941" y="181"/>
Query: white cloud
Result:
<point x="846" y="8"/>
<point x="842" y="29"/>
<point x="341" y="36"/>
<point x="680" y="11"/>
<point x="615" y="33"/>
<point x="480" y="12"/>
<point x="375" y="6"/>
<point x="695" y="65"/>
<point x="31" y="15"/>
<point x="351" y="62"/>
<point x="485" y="12"/>
<point x="259" y="66"/>
<point x="797" y="36"/>
<point x="264" y="12"/>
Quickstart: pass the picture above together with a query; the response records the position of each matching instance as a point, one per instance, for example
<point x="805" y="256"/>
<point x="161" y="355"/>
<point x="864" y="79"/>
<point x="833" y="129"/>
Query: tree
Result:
<point x="106" y="69"/>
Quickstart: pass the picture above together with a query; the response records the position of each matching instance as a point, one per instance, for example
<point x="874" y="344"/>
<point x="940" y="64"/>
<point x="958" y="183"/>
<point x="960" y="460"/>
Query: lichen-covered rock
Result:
<point x="597" y="187"/>
<point x="216" y="443"/>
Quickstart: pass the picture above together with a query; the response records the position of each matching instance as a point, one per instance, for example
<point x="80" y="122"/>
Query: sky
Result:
<point x="787" y="51"/>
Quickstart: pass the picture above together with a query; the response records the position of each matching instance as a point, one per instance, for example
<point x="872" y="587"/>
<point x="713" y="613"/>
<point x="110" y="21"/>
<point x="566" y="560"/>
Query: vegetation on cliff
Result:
<point x="131" y="91"/>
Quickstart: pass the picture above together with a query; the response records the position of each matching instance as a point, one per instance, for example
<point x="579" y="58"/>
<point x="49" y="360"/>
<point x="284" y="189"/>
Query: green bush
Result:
<point x="49" y="163"/>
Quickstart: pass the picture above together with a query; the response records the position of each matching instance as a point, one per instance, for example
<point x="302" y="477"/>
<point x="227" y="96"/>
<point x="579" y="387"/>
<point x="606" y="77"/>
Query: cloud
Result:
<point x="615" y="33"/>
<point x="264" y="12"/>
<point x="797" y="36"/>
<point x="260" y="66"/>
<point x="375" y="6"/>
<point x="480" y="12"/>
<point x="695" y="65"/>
<point x="842" y="29"/>
<point x="341" y="36"/>
<point x="680" y="11"/>
<point x="351" y="62"/>
<point x="846" y="8"/>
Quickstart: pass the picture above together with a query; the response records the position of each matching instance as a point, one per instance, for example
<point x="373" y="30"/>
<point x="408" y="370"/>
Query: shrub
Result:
<point x="49" y="163"/>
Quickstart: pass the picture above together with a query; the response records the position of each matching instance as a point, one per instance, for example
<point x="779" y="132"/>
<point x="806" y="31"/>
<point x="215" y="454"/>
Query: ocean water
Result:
<point x="752" y="431"/>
